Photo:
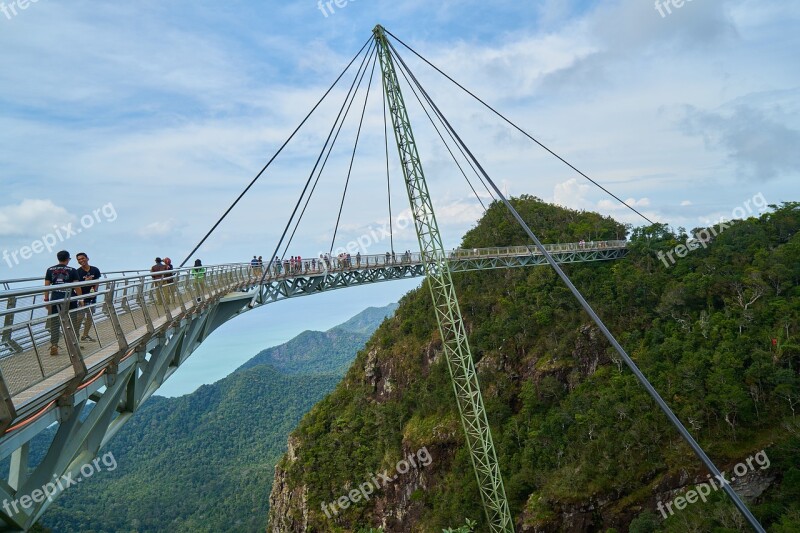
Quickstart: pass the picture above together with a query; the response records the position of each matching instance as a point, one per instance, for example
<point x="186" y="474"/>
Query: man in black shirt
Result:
<point x="86" y="272"/>
<point x="59" y="274"/>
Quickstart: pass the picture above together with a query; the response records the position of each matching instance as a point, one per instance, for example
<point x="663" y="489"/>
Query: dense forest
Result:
<point x="581" y="445"/>
<point x="205" y="461"/>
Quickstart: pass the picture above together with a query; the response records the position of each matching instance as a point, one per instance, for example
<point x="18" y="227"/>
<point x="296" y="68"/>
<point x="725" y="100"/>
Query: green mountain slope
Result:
<point x="201" y="462"/>
<point x="368" y="320"/>
<point x="581" y="446"/>
<point x="328" y="351"/>
<point x="205" y="461"/>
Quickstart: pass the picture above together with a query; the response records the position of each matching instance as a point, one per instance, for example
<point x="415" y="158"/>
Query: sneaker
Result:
<point x="54" y="350"/>
<point x="87" y="338"/>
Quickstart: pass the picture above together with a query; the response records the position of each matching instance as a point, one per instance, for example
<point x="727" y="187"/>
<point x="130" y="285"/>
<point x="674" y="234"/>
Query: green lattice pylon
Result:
<point x="448" y="315"/>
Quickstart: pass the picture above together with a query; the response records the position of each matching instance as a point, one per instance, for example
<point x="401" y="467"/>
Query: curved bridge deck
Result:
<point x="144" y="329"/>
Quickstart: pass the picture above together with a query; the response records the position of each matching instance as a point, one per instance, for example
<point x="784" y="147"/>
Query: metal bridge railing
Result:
<point x="37" y="281"/>
<point x="132" y="305"/>
<point x="314" y="265"/>
<point x="126" y="309"/>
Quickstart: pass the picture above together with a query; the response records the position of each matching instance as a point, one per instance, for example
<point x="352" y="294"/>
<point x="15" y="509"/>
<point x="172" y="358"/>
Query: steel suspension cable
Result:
<point x="395" y="54"/>
<point x="329" y="146"/>
<point x="316" y="164"/>
<point x="353" y="156"/>
<point x="388" y="186"/>
<point x="461" y="151"/>
<point x="225" y="214"/>
<point x="523" y="132"/>
<point x="687" y="436"/>
<point x="414" y="91"/>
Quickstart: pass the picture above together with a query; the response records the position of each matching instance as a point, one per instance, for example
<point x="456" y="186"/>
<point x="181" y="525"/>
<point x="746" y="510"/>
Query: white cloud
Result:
<point x="157" y="229"/>
<point x="459" y="212"/>
<point x="171" y="119"/>
<point x="613" y="205"/>
<point x="576" y="195"/>
<point x="32" y="217"/>
<point x="572" y="194"/>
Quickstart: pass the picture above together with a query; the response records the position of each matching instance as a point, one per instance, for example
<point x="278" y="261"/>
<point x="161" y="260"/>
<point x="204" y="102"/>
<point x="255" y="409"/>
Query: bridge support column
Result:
<point x="448" y="315"/>
<point x="18" y="473"/>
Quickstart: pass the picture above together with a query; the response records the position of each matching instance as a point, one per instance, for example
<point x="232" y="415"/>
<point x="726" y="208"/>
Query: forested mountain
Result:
<point x="581" y="446"/>
<point x="324" y="351"/>
<point x="205" y="461"/>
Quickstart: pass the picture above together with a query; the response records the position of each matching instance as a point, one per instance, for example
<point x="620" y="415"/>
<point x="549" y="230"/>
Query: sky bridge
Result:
<point x="144" y="329"/>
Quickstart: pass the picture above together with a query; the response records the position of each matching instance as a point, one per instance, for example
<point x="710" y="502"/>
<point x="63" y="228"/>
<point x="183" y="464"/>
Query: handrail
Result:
<point x="30" y="328"/>
<point x="35" y="289"/>
<point x="365" y="260"/>
<point x="107" y="275"/>
<point x="39" y="339"/>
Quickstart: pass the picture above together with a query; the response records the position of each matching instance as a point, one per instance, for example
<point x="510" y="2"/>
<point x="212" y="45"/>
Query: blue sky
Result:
<point x="166" y="110"/>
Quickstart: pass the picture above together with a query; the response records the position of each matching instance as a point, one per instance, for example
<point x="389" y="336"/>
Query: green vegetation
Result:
<point x="468" y="527"/>
<point x="717" y="334"/>
<point x="205" y="461"/>
<point x="314" y="352"/>
<point x="202" y="462"/>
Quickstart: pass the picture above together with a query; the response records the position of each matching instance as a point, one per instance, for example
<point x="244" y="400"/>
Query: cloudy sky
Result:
<point x="140" y="122"/>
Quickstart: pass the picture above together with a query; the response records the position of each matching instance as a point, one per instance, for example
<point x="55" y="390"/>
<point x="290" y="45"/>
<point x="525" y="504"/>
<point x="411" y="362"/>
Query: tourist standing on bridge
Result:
<point x="169" y="281"/>
<point x="87" y="272"/>
<point x="199" y="277"/>
<point x="158" y="280"/>
<point x="59" y="274"/>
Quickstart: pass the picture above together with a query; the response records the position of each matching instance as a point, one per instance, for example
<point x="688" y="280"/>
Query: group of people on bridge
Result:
<point x="60" y="274"/>
<point x="296" y="265"/>
<point x="83" y="300"/>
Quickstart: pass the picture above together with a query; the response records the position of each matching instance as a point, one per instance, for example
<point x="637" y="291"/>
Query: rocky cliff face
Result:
<point x="288" y="505"/>
<point x="390" y="493"/>
<point x="393" y="507"/>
